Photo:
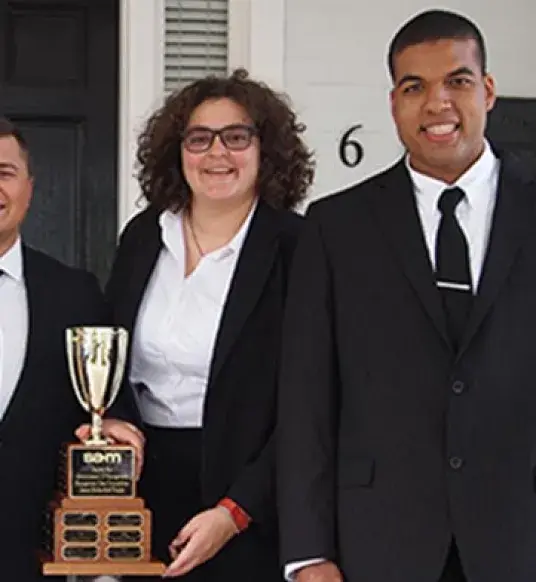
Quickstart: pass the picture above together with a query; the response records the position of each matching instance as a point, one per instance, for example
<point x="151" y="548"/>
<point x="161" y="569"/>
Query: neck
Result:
<point x="219" y="222"/>
<point x="7" y="242"/>
<point x="447" y="174"/>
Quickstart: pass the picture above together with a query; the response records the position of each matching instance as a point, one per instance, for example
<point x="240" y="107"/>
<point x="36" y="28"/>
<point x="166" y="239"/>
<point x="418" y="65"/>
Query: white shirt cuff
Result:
<point x="292" y="568"/>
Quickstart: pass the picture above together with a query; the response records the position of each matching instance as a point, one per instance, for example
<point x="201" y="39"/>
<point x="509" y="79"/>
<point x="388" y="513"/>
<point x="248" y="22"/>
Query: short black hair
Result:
<point x="433" y="25"/>
<point x="9" y="129"/>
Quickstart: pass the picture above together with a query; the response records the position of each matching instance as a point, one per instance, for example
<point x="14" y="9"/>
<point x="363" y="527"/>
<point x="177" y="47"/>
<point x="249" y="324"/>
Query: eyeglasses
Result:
<point x="236" y="137"/>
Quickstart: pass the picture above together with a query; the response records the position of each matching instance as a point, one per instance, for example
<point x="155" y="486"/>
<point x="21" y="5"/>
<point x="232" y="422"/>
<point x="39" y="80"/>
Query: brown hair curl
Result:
<point x="286" y="167"/>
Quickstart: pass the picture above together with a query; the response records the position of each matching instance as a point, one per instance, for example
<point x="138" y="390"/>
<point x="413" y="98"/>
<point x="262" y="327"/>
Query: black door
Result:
<point x="512" y="125"/>
<point x="58" y="83"/>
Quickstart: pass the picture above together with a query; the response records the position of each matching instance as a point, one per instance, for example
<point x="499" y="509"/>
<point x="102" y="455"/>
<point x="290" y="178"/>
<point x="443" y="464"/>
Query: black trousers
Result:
<point x="170" y="486"/>
<point x="453" y="571"/>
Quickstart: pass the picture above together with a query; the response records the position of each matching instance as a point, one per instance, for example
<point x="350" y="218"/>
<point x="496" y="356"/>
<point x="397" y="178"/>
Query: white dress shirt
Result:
<point x="474" y="213"/>
<point x="176" y="328"/>
<point x="13" y="323"/>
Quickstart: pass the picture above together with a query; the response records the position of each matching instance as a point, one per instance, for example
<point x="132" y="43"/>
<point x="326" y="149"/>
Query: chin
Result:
<point x="226" y="195"/>
<point x="220" y="196"/>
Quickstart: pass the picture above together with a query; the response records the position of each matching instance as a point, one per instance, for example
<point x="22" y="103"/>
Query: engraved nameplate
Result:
<point x="124" y="553"/>
<point x="80" y="519"/>
<point x="79" y="553"/>
<point x="101" y="472"/>
<point x="125" y="520"/>
<point x="80" y="535"/>
<point x="120" y="536"/>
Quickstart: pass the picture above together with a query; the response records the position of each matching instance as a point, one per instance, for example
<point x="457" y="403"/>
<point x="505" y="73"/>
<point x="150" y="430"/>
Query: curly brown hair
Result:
<point x="286" y="168"/>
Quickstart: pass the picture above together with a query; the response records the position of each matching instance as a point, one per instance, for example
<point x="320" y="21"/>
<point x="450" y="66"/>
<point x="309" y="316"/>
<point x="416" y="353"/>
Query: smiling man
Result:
<point x="407" y="432"/>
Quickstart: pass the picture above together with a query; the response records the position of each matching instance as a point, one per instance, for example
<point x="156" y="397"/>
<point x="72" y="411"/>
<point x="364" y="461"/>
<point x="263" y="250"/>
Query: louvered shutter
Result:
<point x="195" y="40"/>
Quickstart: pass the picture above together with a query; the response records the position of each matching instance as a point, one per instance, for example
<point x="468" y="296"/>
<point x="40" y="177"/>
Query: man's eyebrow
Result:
<point x="408" y="79"/>
<point x="461" y="71"/>
<point x="8" y="166"/>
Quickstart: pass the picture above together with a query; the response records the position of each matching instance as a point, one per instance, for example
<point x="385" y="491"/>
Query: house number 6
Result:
<point x="350" y="150"/>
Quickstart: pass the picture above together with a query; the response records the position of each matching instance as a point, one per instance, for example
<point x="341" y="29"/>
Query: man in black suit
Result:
<point x="407" y="432"/>
<point x="39" y="299"/>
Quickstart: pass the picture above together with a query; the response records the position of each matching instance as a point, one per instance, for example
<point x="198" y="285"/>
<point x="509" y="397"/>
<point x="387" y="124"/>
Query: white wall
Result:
<point x="329" y="55"/>
<point x="335" y="70"/>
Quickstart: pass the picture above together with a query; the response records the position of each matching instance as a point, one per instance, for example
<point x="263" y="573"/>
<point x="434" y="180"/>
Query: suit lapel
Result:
<point x="512" y="220"/>
<point x="395" y="208"/>
<point x="252" y="270"/>
<point x="140" y="262"/>
<point x="38" y="317"/>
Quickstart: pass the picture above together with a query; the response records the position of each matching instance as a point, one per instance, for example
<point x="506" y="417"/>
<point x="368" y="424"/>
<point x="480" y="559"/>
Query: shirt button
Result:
<point x="458" y="387"/>
<point x="455" y="463"/>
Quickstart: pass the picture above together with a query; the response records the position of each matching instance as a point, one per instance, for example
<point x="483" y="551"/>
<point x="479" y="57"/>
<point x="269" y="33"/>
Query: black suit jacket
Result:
<point x="43" y="412"/>
<point x="240" y="404"/>
<point x="390" y="443"/>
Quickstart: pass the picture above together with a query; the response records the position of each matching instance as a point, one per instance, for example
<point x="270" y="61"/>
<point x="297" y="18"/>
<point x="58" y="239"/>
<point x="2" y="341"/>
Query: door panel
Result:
<point x="512" y="125"/>
<point x="58" y="83"/>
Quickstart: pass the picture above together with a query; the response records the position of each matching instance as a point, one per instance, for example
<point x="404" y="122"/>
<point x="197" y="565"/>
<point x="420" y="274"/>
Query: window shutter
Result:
<point x="195" y="41"/>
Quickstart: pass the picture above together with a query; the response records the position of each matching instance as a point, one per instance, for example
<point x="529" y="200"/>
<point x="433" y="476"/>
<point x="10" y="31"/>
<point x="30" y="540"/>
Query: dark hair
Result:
<point x="9" y="129"/>
<point x="286" y="168"/>
<point x="433" y="25"/>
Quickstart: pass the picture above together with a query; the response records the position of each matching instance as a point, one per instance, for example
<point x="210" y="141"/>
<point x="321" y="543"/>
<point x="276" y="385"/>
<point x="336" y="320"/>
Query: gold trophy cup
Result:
<point x="97" y="525"/>
<point x="96" y="358"/>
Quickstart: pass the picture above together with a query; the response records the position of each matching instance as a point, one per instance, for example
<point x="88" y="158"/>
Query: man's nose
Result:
<point x="438" y="99"/>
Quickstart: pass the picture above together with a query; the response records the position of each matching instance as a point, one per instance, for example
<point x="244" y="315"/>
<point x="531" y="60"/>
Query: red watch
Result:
<point x="238" y="515"/>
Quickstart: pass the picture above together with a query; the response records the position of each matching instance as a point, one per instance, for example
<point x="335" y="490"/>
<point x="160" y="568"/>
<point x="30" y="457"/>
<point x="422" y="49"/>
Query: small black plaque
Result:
<point x="80" y="535"/>
<point x="102" y="472"/>
<point x="80" y="519"/>
<point x="124" y="553"/>
<point x="125" y="520"/>
<point x="79" y="553"/>
<point x="124" y="536"/>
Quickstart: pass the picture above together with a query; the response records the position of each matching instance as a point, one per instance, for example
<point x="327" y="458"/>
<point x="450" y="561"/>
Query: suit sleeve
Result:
<point x="306" y="430"/>
<point x="93" y="308"/>
<point x="254" y="490"/>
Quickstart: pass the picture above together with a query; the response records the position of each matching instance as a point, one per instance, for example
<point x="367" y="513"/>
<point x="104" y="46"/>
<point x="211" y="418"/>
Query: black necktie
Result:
<point x="453" y="275"/>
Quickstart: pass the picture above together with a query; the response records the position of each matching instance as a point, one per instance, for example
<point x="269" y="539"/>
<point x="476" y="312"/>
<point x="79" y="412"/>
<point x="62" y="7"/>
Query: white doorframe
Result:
<point x="257" y="39"/>
<point x="141" y="82"/>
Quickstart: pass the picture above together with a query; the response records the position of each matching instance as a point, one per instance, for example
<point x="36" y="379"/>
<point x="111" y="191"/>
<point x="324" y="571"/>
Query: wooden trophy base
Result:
<point x="97" y="526"/>
<point x="103" y="569"/>
<point x="100" y="536"/>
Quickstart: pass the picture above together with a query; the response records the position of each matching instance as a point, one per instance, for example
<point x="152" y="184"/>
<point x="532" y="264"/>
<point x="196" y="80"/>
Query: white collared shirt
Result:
<point x="176" y="328"/>
<point x="13" y="323"/>
<point x="474" y="212"/>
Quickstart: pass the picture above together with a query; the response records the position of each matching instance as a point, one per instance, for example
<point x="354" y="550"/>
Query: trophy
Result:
<point x="97" y="525"/>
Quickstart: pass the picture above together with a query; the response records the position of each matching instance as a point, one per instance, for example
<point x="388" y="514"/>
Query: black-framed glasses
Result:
<point x="236" y="137"/>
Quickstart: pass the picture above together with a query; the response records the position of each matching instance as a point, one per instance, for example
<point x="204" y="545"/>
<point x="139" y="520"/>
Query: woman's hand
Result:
<point x="199" y="540"/>
<point x="118" y="432"/>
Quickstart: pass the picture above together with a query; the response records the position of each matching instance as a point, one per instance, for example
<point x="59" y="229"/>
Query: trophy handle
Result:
<point x="73" y="339"/>
<point x="121" y="349"/>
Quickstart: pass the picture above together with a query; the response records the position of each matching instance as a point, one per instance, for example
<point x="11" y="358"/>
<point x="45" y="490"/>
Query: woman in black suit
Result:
<point x="199" y="280"/>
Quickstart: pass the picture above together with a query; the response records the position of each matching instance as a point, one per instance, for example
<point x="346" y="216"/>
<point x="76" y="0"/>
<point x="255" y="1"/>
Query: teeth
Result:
<point x="219" y="171"/>
<point x="442" y="129"/>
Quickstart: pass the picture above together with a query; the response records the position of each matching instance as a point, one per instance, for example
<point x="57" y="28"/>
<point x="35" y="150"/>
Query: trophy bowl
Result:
<point x="96" y="358"/>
